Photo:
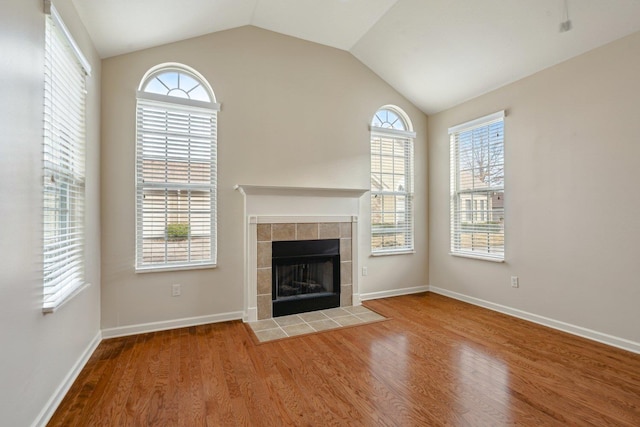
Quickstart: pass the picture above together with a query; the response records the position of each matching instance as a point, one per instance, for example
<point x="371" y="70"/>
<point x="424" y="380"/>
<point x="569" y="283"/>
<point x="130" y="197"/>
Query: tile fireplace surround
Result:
<point x="270" y="232"/>
<point x="297" y="213"/>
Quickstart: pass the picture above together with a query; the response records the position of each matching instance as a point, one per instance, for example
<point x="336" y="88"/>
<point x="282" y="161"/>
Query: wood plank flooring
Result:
<point x="437" y="362"/>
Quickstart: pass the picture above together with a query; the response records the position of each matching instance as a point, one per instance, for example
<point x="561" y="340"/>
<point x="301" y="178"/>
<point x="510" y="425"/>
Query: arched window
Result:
<point x="176" y="152"/>
<point x="391" y="181"/>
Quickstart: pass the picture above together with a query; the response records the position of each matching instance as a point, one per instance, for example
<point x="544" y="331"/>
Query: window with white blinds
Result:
<point x="477" y="188"/>
<point x="63" y="164"/>
<point x="175" y="171"/>
<point x="391" y="182"/>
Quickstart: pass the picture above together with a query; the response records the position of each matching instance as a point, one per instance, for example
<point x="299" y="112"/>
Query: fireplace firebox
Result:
<point x="305" y="276"/>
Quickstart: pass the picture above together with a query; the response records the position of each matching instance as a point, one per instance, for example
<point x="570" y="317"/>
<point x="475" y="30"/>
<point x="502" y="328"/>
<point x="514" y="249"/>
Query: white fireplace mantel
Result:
<point x="270" y="190"/>
<point x="277" y="204"/>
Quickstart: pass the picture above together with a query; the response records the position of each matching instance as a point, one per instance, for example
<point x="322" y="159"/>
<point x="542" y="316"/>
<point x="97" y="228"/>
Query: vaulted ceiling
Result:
<point x="437" y="53"/>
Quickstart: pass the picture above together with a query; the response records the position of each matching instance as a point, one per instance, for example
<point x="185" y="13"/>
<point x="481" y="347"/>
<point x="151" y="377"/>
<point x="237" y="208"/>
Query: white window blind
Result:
<point x="176" y="182"/>
<point x="63" y="164"/>
<point x="391" y="183"/>
<point x="477" y="188"/>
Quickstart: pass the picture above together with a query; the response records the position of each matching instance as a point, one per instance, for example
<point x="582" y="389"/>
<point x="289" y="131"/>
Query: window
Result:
<point x="391" y="182"/>
<point x="63" y="164"/>
<point x="477" y="188"/>
<point x="175" y="170"/>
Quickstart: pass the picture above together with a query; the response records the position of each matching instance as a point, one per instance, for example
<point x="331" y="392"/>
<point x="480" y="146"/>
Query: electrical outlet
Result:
<point x="365" y="271"/>
<point x="515" y="282"/>
<point x="176" y="290"/>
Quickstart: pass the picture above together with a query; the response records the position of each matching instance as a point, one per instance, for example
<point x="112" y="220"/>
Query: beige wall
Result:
<point x="38" y="351"/>
<point x="572" y="138"/>
<point x="294" y="113"/>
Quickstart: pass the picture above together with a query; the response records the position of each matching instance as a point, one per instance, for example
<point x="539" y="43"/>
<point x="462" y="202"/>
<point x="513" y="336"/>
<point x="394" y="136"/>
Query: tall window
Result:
<point x="63" y="164"/>
<point x="391" y="182"/>
<point x="175" y="170"/>
<point x="477" y="188"/>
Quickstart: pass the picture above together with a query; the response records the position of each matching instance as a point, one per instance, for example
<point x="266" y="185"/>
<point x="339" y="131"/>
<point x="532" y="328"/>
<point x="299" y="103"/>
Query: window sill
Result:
<point x="53" y="307"/>
<point x="386" y="253"/>
<point x="158" y="269"/>
<point x="478" y="257"/>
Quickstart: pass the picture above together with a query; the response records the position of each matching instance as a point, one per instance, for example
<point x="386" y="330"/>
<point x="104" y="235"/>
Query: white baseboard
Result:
<point x="356" y="300"/>
<point x="54" y="401"/>
<point x="611" y="340"/>
<point x="251" y="315"/>
<point x="393" y="293"/>
<point x="170" y="324"/>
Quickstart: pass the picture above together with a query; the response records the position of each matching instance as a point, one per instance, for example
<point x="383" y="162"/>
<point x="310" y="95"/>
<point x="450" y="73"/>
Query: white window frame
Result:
<point x="483" y="236"/>
<point x="63" y="230"/>
<point x="191" y="114"/>
<point x="404" y="136"/>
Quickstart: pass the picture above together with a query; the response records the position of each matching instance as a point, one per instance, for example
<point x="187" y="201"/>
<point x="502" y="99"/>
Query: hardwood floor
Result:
<point x="436" y="362"/>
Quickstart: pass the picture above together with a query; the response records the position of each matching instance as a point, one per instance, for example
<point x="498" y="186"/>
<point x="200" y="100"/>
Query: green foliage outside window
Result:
<point x="178" y="230"/>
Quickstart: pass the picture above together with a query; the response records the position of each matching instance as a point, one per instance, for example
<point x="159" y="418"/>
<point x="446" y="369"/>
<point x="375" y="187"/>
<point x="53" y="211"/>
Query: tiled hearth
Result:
<point x="316" y="321"/>
<point x="270" y="232"/>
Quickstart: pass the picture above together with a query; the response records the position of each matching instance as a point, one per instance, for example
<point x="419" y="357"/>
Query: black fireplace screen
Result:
<point x="311" y="277"/>
<point x="306" y="275"/>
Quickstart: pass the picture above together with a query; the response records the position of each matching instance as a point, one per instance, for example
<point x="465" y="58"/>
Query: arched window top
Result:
<point x="177" y="81"/>
<point x="391" y="117"/>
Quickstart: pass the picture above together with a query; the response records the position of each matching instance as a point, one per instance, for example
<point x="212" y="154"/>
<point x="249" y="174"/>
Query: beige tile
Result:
<point x="345" y="273"/>
<point x="300" y="329"/>
<point x="261" y="325"/>
<point x="323" y="325"/>
<point x="264" y="232"/>
<point x="264" y="254"/>
<point x="264" y="307"/>
<point x="268" y="329"/>
<point x="336" y="312"/>
<point x="293" y="319"/>
<point x="345" y="249"/>
<point x="349" y="320"/>
<point x="307" y="231"/>
<point x="370" y="317"/>
<point x="329" y="230"/>
<point x="346" y="296"/>
<point x="358" y="309"/>
<point x="313" y="316"/>
<point x="270" y="334"/>
<point x="345" y="229"/>
<point x="264" y="281"/>
<point x="283" y="232"/>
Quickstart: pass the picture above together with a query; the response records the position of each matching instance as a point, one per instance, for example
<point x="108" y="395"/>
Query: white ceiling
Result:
<point x="437" y="53"/>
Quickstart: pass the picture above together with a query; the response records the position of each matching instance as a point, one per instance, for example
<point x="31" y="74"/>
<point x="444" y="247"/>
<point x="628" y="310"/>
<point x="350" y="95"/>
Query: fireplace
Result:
<point x="269" y="231"/>
<point x="280" y="213"/>
<point x="305" y="276"/>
